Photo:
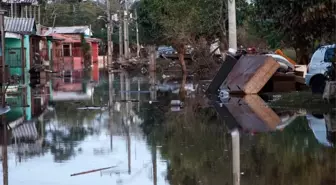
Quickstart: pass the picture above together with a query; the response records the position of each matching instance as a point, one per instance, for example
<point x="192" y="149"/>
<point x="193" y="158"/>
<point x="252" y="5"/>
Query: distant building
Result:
<point x="69" y="30"/>
<point x="67" y="47"/>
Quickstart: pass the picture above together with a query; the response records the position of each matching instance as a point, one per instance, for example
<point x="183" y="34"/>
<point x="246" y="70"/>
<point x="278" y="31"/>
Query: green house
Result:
<point x="20" y="45"/>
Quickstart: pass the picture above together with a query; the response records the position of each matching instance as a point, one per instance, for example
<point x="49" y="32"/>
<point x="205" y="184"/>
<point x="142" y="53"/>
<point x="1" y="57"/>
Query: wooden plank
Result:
<point x="301" y="69"/>
<point x="252" y="114"/>
<point x="250" y="74"/>
<point x="299" y="79"/>
<point x="283" y="77"/>
<point x="222" y="74"/>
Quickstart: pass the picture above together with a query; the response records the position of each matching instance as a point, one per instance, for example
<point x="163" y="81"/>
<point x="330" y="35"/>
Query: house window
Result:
<point x="66" y="50"/>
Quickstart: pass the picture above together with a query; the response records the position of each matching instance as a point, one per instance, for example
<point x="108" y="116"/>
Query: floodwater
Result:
<point x="122" y="129"/>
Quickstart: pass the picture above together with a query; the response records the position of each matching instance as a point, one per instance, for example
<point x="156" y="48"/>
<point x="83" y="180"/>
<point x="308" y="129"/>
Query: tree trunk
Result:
<point x="223" y="46"/>
<point x="181" y="52"/>
<point x="302" y="56"/>
<point x="182" y="92"/>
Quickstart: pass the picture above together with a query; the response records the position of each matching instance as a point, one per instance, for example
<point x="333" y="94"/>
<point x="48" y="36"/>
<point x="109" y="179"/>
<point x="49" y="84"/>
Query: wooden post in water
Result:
<point x="139" y="89"/>
<point x="128" y="95"/>
<point x="4" y="153"/>
<point x="129" y="150"/>
<point x="3" y="59"/>
<point x="111" y="106"/>
<point x="152" y="58"/>
<point x="128" y="116"/>
<point x="122" y="86"/>
<point x="236" y="156"/>
<point x="152" y="85"/>
<point x="154" y="163"/>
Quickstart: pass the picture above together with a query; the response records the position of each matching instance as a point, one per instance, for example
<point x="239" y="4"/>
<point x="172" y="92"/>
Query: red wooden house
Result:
<point x="67" y="52"/>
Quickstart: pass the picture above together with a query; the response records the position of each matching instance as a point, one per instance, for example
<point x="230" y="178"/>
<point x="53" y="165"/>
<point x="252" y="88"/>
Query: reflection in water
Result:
<point x="323" y="127"/>
<point x="237" y="141"/>
<point x="4" y="144"/>
<point x="111" y="106"/>
<point x="236" y="157"/>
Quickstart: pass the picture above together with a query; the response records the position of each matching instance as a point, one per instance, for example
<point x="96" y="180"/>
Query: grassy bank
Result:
<point x="301" y="100"/>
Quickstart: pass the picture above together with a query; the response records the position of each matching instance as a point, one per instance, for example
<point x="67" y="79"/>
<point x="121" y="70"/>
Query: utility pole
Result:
<point x="137" y="32"/>
<point x="120" y="35"/>
<point x="3" y="61"/>
<point x="126" y="31"/>
<point x="109" y="34"/>
<point x="232" y="24"/>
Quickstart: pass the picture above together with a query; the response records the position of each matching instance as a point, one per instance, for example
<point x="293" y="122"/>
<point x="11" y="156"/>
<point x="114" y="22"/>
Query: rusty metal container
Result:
<point x="250" y="74"/>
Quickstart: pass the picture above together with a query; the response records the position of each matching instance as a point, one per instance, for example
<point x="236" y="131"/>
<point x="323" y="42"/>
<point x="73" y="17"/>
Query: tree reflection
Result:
<point x="198" y="150"/>
<point x="67" y="129"/>
<point x="63" y="143"/>
<point x="192" y="161"/>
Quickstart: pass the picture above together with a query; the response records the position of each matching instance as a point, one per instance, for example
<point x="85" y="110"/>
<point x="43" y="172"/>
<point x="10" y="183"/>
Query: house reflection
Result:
<point x="72" y="88"/>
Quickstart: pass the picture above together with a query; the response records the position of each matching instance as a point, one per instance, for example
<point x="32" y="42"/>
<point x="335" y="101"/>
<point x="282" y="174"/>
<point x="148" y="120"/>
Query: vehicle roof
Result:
<point x="327" y="46"/>
<point x="320" y="52"/>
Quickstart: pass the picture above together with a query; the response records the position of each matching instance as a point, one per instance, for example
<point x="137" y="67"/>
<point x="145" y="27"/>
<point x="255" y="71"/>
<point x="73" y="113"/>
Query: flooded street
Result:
<point x="166" y="92"/>
<point x="126" y="129"/>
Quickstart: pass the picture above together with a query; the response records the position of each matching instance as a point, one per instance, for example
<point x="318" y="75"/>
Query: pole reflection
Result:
<point x="153" y="94"/>
<point x="128" y="120"/>
<point x="4" y="151"/>
<point x="236" y="156"/>
<point x="111" y="107"/>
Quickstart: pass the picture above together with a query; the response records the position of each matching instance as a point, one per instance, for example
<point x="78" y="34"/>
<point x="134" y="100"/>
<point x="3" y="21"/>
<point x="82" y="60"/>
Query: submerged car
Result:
<point x="318" y="66"/>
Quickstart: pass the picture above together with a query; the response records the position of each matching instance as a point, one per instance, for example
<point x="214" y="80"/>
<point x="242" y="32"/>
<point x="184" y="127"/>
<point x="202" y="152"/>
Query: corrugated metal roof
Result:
<point x="20" y="25"/>
<point x="26" y="130"/>
<point x="68" y="29"/>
